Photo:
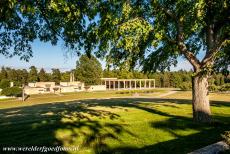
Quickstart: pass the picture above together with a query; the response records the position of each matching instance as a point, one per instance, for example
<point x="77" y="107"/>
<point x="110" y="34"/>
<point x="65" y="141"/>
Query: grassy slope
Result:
<point x="131" y="125"/>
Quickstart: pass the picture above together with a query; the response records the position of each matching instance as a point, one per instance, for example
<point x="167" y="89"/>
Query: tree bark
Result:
<point x="200" y="99"/>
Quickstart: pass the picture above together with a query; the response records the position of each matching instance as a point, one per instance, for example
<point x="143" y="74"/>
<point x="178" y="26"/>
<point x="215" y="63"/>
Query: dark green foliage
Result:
<point x="88" y="70"/>
<point x="213" y="88"/>
<point x="42" y="76"/>
<point x="12" y="91"/>
<point x="23" y="76"/>
<point x="177" y="79"/>
<point x="186" y="86"/>
<point x="5" y="83"/>
<point x="33" y="74"/>
<point x="56" y="76"/>
<point x="65" y="76"/>
<point x="225" y="87"/>
<point x="3" y="74"/>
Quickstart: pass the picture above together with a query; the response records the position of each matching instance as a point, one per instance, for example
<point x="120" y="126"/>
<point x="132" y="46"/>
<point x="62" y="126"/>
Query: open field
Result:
<point x="49" y="98"/>
<point x="115" y="125"/>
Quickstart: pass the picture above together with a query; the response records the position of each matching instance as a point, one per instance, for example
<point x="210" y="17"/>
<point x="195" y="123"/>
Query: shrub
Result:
<point x="12" y="91"/>
<point x="4" y="83"/>
<point x="225" y="87"/>
<point x="185" y="86"/>
<point x="213" y="88"/>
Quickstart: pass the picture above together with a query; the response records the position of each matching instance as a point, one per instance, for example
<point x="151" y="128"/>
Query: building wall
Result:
<point x="33" y="90"/>
<point x="97" y="88"/>
<point x="70" y="89"/>
<point x="74" y="83"/>
<point x="41" y="87"/>
<point x="31" y="84"/>
<point x="45" y="84"/>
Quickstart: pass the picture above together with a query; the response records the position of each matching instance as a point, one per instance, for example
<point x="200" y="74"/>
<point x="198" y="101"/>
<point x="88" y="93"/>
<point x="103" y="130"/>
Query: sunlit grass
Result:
<point x="116" y="125"/>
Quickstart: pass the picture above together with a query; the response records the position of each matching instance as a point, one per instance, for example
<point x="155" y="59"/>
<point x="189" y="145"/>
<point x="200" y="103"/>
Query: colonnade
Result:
<point x="121" y="84"/>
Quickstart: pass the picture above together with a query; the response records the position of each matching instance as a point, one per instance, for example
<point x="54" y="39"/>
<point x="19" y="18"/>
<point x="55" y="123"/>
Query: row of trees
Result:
<point x="166" y="79"/>
<point x="89" y="71"/>
<point x="23" y="76"/>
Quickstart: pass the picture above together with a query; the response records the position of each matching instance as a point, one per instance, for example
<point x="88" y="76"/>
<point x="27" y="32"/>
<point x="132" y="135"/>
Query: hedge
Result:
<point x="185" y="86"/>
<point x="12" y="91"/>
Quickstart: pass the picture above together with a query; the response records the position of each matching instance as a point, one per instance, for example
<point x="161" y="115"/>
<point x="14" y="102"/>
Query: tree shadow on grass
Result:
<point x="78" y="123"/>
<point x="58" y="124"/>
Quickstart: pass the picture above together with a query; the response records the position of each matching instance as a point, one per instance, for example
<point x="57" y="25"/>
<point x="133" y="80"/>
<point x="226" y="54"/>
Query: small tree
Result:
<point x="4" y="83"/>
<point x="12" y="91"/>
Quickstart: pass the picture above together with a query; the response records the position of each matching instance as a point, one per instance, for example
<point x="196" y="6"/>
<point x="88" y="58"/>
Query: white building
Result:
<point x="51" y="87"/>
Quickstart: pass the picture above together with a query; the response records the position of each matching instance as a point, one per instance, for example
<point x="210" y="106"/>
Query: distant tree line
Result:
<point x="89" y="71"/>
<point x="22" y="76"/>
<point x="177" y="79"/>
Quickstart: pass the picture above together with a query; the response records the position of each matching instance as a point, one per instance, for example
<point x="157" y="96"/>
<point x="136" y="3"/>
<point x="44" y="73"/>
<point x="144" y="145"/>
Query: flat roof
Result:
<point x="116" y="79"/>
<point x="108" y="78"/>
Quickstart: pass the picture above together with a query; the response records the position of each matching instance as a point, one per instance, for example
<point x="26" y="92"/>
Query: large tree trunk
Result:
<point x="200" y="100"/>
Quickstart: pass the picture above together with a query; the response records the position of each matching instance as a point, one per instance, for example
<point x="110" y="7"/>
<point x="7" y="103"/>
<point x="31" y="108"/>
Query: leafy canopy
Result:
<point x="88" y="70"/>
<point x="147" y="33"/>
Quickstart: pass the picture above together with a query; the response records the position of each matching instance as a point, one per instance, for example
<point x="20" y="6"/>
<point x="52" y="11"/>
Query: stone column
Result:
<point x="140" y="84"/>
<point x="145" y="84"/>
<point x="154" y="83"/>
<point x="130" y="84"/>
<point x="149" y="84"/>
<point x="114" y="85"/>
<point x="109" y="84"/>
<point x="105" y="84"/>
<point x="118" y="84"/>
<point x="124" y="84"/>
<point x="135" y="84"/>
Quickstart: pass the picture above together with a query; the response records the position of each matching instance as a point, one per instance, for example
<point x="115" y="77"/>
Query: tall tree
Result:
<point x="24" y="76"/>
<point x="42" y="76"/>
<point x="12" y="74"/>
<point x="3" y="74"/>
<point x="56" y="75"/>
<point x="88" y="70"/>
<point x="33" y="74"/>
<point x="164" y="30"/>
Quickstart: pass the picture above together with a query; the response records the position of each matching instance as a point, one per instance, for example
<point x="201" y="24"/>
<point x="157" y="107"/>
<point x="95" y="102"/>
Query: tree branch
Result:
<point x="210" y="56"/>
<point x="180" y="39"/>
<point x="41" y="8"/>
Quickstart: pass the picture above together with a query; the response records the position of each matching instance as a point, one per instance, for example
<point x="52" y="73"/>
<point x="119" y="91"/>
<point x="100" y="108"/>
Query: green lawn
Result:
<point x="116" y="125"/>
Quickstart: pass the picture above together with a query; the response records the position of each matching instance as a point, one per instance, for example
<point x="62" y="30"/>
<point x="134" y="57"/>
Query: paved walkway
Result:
<point x="169" y="93"/>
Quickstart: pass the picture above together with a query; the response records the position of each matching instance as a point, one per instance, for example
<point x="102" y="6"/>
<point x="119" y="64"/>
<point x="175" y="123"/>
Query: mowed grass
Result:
<point x="50" y="98"/>
<point x="115" y="125"/>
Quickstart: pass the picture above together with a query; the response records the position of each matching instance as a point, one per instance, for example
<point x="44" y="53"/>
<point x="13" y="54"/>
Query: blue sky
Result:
<point x="44" y="56"/>
<point x="47" y="56"/>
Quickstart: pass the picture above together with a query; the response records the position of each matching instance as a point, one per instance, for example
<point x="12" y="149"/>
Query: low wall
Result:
<point x="70" y="89"/>
<point x="31" y="90"/>
<point x="5" y="97"/>
<point x="97" y="88"/>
